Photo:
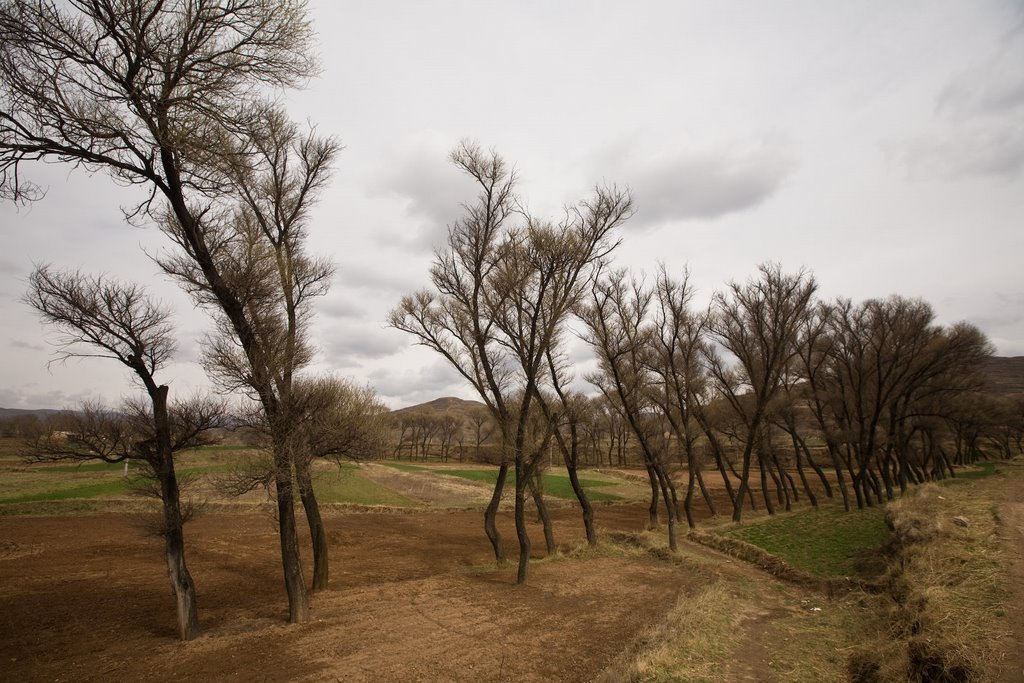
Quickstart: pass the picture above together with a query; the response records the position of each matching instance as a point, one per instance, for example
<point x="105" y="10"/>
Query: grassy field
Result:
<point x="200" y="469"/>
<point x="555" y="485"/>
<point x="826" y="542"/>
<point x="345" y="484"/>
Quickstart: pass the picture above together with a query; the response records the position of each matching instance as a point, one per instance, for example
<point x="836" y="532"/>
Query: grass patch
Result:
<point x="407" y="468"/>
<point x="92" y="467"/>
<point x="555" y="485"/>
<point x="732" y="624"/>
<point x="978" y="471"/>
<point x="347" y="485"/>
<point x="106" y="488"/>
<point x="828" y="542"/>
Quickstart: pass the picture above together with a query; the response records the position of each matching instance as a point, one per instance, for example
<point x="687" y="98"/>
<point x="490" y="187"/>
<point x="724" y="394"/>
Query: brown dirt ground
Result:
<point x="413" y="597"/>
<point x="1011" y="515"/>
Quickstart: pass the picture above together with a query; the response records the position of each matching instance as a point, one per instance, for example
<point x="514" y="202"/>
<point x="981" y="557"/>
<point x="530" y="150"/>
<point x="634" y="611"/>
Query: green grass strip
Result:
<point x="823" y="542"/>
<point x="554" y="485"/>
<point x="107" y="488"/>
<point x="348" y="486"/>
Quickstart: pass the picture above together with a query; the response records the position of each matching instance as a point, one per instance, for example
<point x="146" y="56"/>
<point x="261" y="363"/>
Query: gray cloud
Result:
<point x="688" y="184"/>
<point x="19" y="344"/>
<point x="347" y="346"/>
<point x="381" y="278"/>
<point x="341" y="306"/>
<point x="431" y="188"/>
<point x="979" y="128"/>
<point x="964" y="150"/>
<point x="992" y="87"/>
<point x="30" y="399"/>
<point x="415" y="385"/>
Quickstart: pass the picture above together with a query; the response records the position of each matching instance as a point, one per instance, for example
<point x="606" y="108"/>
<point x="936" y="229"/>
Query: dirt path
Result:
<point x="1011" y="515"/>
<point x="86" y="598"/>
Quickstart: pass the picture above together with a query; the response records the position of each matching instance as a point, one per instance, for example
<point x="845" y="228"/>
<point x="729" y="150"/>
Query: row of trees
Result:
<point x="753" y="383"/>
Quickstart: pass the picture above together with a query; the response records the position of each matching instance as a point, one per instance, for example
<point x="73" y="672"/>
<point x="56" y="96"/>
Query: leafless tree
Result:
<point x="502" y="293"/>
<point x="758" y="324"/>
<point x="889" y="375"/>
<point x="616" y="316"/>
<point x="566" y="412"/>
<point x="483" y="428"/>
<point x="276" y="171"/>
<point x="162" y="95"/>
<point x="678" y="346"/>
<point x="99" y="317"/>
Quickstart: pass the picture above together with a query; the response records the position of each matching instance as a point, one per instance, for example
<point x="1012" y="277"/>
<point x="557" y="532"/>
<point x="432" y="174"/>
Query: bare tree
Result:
<point x="152" y="92"/>
<point x="677" y="347"/>
<point x="103" y="318"/>
<point x="276" y="171"/>
<point x="890" y="376"/>
<point x="616" y="320"/>
<point x="483" y="428"/>
<point x="502" y="293"/>
<point x="758" y="324"/>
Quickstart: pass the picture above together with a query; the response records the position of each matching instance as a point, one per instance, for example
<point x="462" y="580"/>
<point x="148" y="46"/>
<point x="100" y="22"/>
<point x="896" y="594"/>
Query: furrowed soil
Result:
<point x="413" y="596"/>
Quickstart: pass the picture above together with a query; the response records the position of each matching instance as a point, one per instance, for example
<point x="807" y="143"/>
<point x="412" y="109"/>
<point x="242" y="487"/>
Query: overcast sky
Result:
<point x="880" y="144"/>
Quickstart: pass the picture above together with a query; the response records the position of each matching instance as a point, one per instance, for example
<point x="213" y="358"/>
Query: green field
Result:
<point x="555" y="485"/>
<point x="826" y="542"/>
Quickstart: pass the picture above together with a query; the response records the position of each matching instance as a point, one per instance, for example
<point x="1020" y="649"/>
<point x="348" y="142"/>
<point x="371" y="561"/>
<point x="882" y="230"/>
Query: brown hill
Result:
<point x="447" y="404"/>
<point x="1005" y="374"/>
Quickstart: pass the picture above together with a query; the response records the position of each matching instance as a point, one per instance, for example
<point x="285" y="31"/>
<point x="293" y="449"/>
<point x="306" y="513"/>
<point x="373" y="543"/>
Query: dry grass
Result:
<point x="691" y="643"/>
<point x="944" y="595"/>
<point x="938" y="617"/>
<point x="740" y="625"/>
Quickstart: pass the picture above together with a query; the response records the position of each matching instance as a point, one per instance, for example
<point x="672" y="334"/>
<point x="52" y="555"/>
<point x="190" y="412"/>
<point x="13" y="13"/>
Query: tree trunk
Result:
<point x="581" y="496"/>
<point x="294" y="583"/>
<point x="704" y="491"/>
<point x="691" y="479"/>
<point x="537" y="492"/>
<point x="670" y="508"/>
<point x="490" y="527"/>
<point x="798" y="454"/>
<point x="520" y="515"/>
<point x="174" y="545"/>
<point x="321" y="565"/>
<point x="652" y="510"/>
<point x="764" y="486"/>
<point x="174" y="537"/>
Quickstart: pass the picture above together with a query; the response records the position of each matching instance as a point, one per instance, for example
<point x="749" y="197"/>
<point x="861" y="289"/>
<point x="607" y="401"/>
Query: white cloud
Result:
<point x="697" y="182"/>
<point x="978" y="129"/>
<point x="431" y="188"/>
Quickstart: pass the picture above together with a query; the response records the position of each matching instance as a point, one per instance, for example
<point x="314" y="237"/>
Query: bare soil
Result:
<point x="1011" y="515"/>
<point x="414" y="596"/>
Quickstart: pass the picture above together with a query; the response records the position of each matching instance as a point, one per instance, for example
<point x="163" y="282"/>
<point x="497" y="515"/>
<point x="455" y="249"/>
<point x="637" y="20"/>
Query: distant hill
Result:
<point x="8" y="413"/>
<point x="1005" y="374"/>
<point x="448" y="404"/>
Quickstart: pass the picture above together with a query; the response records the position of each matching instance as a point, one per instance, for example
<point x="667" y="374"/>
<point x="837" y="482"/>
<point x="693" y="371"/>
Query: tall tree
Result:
<point x="150" y="92"/>
<point x="758" y="324"/>
<point x="616" y="316"/>
<point x="100" y="317"/>
<point x="276" y="172"/>
<point x="502" y="293"/>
